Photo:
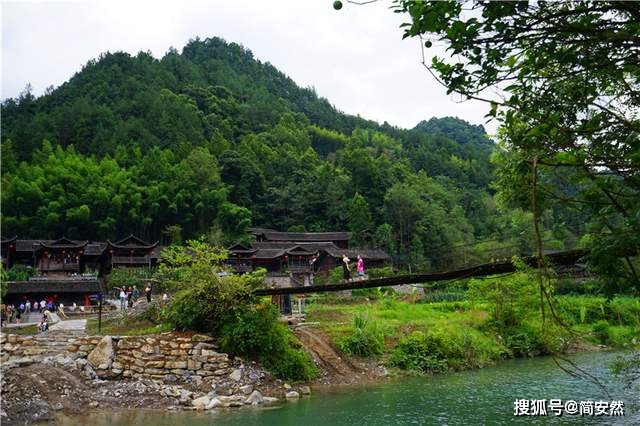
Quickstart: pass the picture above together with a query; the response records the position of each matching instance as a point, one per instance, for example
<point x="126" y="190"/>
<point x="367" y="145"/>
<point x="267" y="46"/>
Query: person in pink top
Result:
<point x="360" y="267"/>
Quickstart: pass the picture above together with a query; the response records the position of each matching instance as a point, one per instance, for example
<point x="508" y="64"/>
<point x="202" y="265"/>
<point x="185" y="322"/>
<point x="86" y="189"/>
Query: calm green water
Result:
<point x="469" y="398"/>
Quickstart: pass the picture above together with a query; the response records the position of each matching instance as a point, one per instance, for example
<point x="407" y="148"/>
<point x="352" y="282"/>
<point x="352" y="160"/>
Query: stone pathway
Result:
<point x="76" y="325"/>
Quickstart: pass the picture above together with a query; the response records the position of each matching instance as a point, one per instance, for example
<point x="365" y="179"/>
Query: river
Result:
<point x="486" y="397"/>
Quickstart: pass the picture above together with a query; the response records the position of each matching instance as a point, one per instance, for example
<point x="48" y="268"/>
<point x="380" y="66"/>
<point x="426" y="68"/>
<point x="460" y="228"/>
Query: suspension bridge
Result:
<point x="555" y="259"/>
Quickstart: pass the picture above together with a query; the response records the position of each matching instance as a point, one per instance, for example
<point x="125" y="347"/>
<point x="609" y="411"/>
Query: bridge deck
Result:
<point x="557" y="259"/>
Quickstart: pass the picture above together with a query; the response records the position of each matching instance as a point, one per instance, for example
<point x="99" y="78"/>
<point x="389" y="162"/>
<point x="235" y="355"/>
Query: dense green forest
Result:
<point x="211" y="141"/>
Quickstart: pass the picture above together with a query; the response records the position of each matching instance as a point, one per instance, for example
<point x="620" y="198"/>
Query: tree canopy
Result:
<point x="563" y="79"/>
<point x="210" y="141"/>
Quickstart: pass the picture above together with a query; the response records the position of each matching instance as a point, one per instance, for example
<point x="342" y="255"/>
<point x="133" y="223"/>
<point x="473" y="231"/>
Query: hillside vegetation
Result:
<point x="210" y="141"/>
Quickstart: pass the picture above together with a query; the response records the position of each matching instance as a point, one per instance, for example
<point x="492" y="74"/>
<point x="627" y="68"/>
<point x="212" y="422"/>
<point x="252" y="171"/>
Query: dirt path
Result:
<point x="336" y="369"/>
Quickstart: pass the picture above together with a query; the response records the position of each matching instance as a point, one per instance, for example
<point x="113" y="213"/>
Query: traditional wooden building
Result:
<point x="59" y="271"/>
<point x="242" y="258"/>
<point x="339" y="239"/>
<point x="59" y="257"/>
<point x="69" y="270"/>
<point x="299" y="253"/>
<point x="7" y="250"/>
<point x="130" y="252"/>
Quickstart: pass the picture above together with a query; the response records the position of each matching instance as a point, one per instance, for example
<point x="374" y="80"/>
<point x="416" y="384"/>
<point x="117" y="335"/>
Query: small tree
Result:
<point x="204" y="299"/>
<point x="224" y="305"/>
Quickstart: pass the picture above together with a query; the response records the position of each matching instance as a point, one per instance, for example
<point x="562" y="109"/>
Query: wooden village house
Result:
<point x="74" y="271"/>
<point x="68" y="270"/>
<point x="291" y="258"/>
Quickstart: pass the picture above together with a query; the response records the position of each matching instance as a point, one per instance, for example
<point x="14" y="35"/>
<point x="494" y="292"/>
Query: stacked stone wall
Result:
<point x="152" y="357"/>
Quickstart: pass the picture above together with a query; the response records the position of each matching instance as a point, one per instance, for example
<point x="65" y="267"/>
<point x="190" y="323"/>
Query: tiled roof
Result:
<point x="4" y="240"/>
<point x="269" y="253"/>
<point x="94" y="249"/>
<point x="131" y="242"/>
<point x="306" y="236"/>
<point x="29" y="245"/>
<point x="285" y="245"/>
<point x="371" y="254"/>
<point x="63" y="243"/>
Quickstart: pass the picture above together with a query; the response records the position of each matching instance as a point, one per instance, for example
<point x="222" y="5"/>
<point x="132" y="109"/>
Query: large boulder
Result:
<point x="101" y="357"/>
<point x="201" y="403"/>
<point x="255" y="398"/>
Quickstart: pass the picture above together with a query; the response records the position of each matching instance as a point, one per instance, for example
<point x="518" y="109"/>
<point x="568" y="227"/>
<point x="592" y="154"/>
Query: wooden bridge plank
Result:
<point x="558" y="259"/>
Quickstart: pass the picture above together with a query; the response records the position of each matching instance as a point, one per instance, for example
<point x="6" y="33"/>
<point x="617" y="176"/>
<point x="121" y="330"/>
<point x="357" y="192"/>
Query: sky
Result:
<point x="354" y="57"/>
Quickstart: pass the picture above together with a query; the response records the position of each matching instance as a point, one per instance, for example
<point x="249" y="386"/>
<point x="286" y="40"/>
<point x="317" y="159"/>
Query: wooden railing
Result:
<point x="138" y="260"/>
<point x="51" y="267"/>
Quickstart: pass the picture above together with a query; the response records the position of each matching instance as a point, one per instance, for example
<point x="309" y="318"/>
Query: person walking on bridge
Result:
<point x="346" y="271"/>
<point x="360" y="268"/>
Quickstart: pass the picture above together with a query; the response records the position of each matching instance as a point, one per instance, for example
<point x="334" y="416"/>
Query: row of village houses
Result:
<point x="78" y="268"/>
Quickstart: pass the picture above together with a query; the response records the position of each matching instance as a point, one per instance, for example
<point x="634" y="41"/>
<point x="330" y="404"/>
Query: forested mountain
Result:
<point x="210" y="141"/>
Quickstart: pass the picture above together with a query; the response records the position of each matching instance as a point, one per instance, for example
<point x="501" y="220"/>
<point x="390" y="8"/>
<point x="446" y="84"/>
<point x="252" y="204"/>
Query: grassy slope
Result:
<point x="464" y="326"/>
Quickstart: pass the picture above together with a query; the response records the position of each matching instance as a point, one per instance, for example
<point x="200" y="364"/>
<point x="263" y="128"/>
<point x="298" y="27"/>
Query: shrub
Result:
<point x="252" y="331"/>
<point x="373" y="293"/>
<point x="380" y="272"/>
<point x="20" y="273"/>
<point x="204" y="298"/>
<point x="601" y="331"/>
<point x="366" y="339"/>
<point x="157" y="312"/>
<point x="439" y="351"/>
<point x="257" y="334"/>
<point x="335" y="275"/>
<point x="521" y="343"/>
<point x="621" y="336"/>
<point x="442" y="296"/>
<point x="511" y="299"/>
<point x="418" y="352"/>
<point x="293" y="363"/>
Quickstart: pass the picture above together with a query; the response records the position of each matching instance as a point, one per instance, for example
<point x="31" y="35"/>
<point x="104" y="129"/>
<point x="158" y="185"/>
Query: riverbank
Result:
<point x="55" y="373"/>
<point x="184" y="371"/>
<point x="413" y="335"/>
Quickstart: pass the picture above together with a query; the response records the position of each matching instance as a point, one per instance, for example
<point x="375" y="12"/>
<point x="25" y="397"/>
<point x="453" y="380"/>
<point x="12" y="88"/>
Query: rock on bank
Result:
<point x="72" y="374"/>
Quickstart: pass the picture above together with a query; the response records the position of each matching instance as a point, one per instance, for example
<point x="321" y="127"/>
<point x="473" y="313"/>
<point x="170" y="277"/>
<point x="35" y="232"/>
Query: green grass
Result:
<point x="454" y="335"/>
<point x="125" y="327"/>
<point x="21" y="330"/>
<point x="396" y="318"/>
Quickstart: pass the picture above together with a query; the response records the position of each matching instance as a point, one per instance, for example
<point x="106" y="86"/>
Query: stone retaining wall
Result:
<point x="153" y="357"/>
<point x="176" y="369"/>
